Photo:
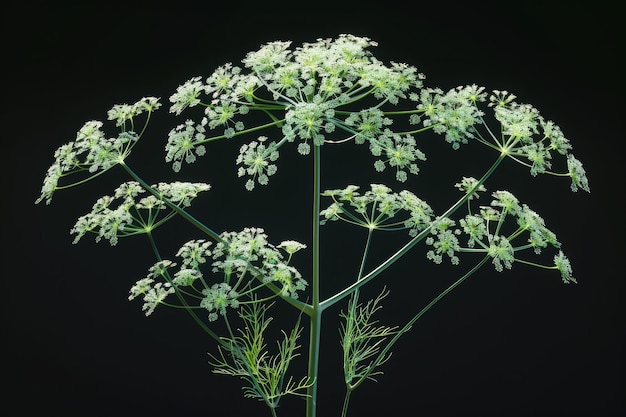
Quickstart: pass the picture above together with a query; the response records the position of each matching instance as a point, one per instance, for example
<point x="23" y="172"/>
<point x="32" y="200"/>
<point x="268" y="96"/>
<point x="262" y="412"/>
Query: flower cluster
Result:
<point x="502" y="253"/>
<point x="187" y="95"/>
<point x="368" y="124"/>
<point x="180" y="193"/>
<point x="469" y="185"/>
<point x="577" y="173"/>
<point x="153" y="292"/>
<point x="400" y="152"/>
<point x="225" y="95"/>
<point x="124" y="214"/>
<point x="93" y="152"/>
<point x="453" y="114"/>
<point x="444" y="241"/>
<point x="160" y="281"/>
<point x="185" y="143"/>
<point x="308" y="92"/>
<point x="564" y="267"/>
<point x="499" y="246"/>
<point x="526" y="134"/>
<point x="195" y="253"/>
<point x="243" y="262"/>
<point x="330" y="69"/>
<point x="218" y="298"/>
<point x="320" y="94"/>
<point x="306" y="121"/>
<point x="123" y="113"/>
<point x="378" y="208"/>
<point x="257" y="159"/>
<point x="249" y="251"/>
<point x="489" y="231"/>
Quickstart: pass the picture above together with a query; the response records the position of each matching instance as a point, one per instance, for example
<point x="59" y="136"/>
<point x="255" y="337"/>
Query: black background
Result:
<point x="509" y="344"/>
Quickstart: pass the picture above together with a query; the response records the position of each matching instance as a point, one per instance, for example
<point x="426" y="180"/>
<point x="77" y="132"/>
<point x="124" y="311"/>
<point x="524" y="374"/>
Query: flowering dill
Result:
<point x="126" y="214"/>
<point x="93" y="152"/>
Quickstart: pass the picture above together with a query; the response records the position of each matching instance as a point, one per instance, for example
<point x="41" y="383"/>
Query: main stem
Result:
<point x="316" y="311"/>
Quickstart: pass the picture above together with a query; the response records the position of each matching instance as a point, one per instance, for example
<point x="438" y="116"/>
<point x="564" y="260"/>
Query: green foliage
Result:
<point x="315" y="97"/>
<point x="361" y="340"/>
<point x="247" y="356"/>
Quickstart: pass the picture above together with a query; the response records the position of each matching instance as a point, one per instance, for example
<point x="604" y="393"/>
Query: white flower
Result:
<point x="291" y="246"/>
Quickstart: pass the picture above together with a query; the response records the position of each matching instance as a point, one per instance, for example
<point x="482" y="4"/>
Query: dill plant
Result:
<point x="315" y="97"/>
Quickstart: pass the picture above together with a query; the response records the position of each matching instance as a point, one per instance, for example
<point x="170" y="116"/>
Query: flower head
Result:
<point x="565" y="268"/>
<point x="469" y="185"/>
<point x="368" y="124"/>
<point x="291" y="246"/>
<point x="378" y="208"/>
<point x="218" y="298"/>
<point x="502" y="253"/>
<point x="186" y="277"/>
<point x="116" y="216"/>
<point x="539" y="235"/>
<point x="268" y="59"/>
<point x="187" y="95"/>
<point x="249" y="251"/>
<point x="444" y="241"/>
<point x="92" y="151"/>
<point x="185" y="142"/>
<point x="123" y="113"/>
<point x="288" y="278"/>
<point x="578" y="174"/>
<point x="257" y="159"/>
<point x="475" y="228"/>
<point x="153" y="292"/>
<point x="181" y="193"/>
<point x="399" y="152"/>
<point x="195" y="252"/>
<point x="506" y="201"/>
<point x="105" y="221"/>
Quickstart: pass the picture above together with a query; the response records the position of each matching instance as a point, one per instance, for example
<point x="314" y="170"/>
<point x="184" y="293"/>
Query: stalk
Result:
<point x="183" y="213"/>
<point x="410" y="323"/>
<point x="316" y="311"/>
<point x="181" y="298"/>
<point x="420" y="236"/>
<point x="214" y="235"/>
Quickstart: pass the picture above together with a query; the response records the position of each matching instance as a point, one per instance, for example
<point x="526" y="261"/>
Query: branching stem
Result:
<point x="418" y="238"/>
<point x="214" y="235"/>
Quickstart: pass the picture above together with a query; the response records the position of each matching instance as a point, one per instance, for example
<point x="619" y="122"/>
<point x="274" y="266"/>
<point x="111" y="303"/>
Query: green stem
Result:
<point x="346" y="401"/>
<point x="365" y="252"/>
<point x="535" y="264"/>
<point x="383" y="354"/>
<point x="241" y="132"/>
<point x="184" y="303"/>
<point x="84" y="180"/>
<point x="183" y="213"/>
<point x="355" y="294"/>
<point x="353" y="306"/>
<point x="316" y="311"/>
<point x="214" y="235"/>
<point x="420" y="236"/>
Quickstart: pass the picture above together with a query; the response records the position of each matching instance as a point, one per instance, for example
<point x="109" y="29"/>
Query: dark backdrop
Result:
<point x="515" y="343"/>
